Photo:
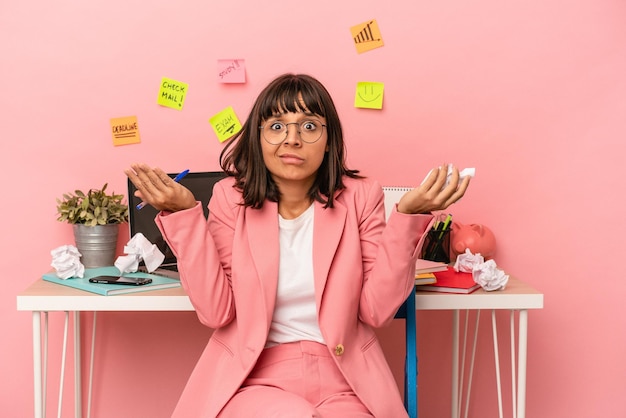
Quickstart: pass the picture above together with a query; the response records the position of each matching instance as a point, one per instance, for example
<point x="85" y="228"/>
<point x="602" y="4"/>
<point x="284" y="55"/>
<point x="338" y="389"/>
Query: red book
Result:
<point x="451" y="281"/>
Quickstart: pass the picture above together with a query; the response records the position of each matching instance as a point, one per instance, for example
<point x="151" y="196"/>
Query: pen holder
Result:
<point x="437" y="246"/>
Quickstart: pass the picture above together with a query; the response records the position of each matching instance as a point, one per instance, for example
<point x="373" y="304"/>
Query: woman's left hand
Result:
<point x="433" y="194"/>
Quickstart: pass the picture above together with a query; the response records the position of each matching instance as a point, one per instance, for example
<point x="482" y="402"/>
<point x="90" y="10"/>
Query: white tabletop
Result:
<point x="516" y="295"/>
<point x="47" y="296"/>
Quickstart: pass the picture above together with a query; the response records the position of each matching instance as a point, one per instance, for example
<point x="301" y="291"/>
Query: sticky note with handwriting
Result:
<point x="231" y="71"/>
<point x="172" y="93"/>
<point x="225" y="124"/>
<point x="366" y="36"/>
<point x="369" y="95"/>
<point x="125" y="130"/>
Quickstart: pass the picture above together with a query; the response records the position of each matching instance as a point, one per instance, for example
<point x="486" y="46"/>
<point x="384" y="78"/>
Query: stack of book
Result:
<point x="425" y="271"/>
<point x="451" y="281"/>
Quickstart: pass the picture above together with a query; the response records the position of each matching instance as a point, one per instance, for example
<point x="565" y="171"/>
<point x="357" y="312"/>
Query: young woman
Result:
<point x="296" y="265"/>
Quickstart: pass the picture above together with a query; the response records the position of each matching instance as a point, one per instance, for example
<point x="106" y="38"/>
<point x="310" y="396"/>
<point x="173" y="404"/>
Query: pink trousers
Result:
<point x="295" y="380"/>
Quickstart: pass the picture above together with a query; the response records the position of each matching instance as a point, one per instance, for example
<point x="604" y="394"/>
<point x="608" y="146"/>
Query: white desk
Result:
<point x="43" y="297"/>
<point x="518" y="296"/>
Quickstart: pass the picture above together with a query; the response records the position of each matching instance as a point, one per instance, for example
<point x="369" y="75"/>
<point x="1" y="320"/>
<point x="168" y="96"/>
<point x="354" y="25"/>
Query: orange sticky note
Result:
<point x="366" y="36"/>
<point x="125" y="130"/>
<point x="225" y="124"/>
<point x="369" y="95"/>
<point x="172" y="93"/>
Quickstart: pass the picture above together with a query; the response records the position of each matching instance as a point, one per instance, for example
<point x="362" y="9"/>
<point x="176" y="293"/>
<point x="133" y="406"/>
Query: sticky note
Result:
<point x="125" y="130"/>
<point x="172" y="93"/>
<point x="366" y="36"/>
<point x="369" y="95"/>
<point x="225" y="124"/>
<point x="231" y="71"/>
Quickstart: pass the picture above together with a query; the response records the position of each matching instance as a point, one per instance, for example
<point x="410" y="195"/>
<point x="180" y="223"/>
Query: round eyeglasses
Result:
<point x="275" y="133"/>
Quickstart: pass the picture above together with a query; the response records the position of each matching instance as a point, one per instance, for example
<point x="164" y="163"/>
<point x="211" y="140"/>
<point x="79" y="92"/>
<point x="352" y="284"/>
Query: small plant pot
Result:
<point x="97" y="244"/>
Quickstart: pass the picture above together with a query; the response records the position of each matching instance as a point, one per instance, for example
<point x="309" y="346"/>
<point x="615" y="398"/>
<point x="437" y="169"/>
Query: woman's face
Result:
<point x="292" y="161"/>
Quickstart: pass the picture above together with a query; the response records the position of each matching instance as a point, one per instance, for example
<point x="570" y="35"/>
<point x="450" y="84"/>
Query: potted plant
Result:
<point x="96" y="217"/>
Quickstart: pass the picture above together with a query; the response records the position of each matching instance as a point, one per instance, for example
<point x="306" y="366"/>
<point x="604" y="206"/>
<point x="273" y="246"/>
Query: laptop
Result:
<point x="200" y="184"/>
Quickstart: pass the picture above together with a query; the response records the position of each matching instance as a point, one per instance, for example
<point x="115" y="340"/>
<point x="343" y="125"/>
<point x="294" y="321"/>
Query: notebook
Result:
<point x="200" y="184"/>
<point x="158" y="282"/>
<point x="392" y="196"/>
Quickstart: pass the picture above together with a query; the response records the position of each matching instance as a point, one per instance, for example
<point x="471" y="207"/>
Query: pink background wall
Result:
<point x="531" y="93"/>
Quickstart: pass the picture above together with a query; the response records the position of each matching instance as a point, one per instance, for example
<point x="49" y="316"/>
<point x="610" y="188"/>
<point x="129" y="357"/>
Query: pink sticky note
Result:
<point x="231" y="71"/>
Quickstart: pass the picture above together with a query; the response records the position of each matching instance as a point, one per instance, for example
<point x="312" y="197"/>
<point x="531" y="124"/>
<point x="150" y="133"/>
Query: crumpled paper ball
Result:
<point x="465" y="262"/>
<point x="66" y="262"/>
<point x="137" y="249"/>
<point x="489" y="276"/>
<point x="485" y="273"/>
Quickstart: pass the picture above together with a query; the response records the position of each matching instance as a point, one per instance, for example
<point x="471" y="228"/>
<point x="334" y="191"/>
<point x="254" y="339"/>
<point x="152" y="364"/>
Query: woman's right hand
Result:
<point x="157" y="189"/>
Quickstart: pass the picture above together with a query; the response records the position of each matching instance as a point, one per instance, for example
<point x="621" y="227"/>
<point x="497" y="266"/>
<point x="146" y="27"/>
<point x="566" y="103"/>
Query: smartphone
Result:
<point x="133" y="281"/>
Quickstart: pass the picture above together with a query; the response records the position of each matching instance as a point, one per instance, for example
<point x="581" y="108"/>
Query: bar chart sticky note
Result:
<point x="366" y="36"/>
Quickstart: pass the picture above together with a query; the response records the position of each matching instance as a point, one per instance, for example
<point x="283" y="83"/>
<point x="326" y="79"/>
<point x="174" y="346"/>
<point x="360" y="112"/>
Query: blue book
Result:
<point x="158" y="282"/>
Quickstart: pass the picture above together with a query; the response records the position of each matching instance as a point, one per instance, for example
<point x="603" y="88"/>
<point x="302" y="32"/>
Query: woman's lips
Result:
<point x="291" y="159"/>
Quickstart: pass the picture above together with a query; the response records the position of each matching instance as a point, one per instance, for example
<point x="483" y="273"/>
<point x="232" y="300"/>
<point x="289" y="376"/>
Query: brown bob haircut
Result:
<point x="242" y="157"/>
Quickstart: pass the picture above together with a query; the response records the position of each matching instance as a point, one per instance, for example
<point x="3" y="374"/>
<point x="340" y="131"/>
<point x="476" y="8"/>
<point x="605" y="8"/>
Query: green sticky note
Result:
<point x="172" y="93"/>
<point x="369" y="95"/>
<point x="225" y="124"/>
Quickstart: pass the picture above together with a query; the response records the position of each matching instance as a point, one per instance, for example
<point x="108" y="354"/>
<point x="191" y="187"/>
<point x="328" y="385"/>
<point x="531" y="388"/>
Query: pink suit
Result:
<point x="229" y="267"/>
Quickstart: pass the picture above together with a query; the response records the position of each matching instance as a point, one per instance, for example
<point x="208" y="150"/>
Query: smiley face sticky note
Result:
<point x="225" y="124"/>
<point x="231" y="71"/>
<point x="125" y="130"/>
<point x="369" y="95"/>
<point x="366" y="36"/>
<point x="172" y="93"/>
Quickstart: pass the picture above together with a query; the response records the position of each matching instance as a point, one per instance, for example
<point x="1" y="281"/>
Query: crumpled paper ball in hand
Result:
<point x="485" y="273"/>
<point x="66" y="262"/>
<point x="137" y="249"/>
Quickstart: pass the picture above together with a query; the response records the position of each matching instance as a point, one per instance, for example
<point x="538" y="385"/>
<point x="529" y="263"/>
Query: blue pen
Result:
<point x="176" y="179"/>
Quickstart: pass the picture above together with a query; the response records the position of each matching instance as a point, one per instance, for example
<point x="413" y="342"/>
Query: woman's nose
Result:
<point x="293" y="133"/>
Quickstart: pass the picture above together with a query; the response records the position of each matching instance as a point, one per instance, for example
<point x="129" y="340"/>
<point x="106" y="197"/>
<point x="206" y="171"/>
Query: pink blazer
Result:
<point x="229" y="268"/>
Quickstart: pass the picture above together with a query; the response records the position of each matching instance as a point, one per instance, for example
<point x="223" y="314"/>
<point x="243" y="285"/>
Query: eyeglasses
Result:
<point x="275" y="133"/>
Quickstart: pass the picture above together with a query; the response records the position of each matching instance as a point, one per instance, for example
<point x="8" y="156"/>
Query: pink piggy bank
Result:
<point x="478" y="238"/>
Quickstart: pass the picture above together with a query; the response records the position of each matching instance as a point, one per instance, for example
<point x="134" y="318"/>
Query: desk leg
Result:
<point x="496" y="356"/>
<point x="38" y="394"/>
<point x="455" y="364"/>
<point x="521" y="367"/>
<point x="77" y="367"/>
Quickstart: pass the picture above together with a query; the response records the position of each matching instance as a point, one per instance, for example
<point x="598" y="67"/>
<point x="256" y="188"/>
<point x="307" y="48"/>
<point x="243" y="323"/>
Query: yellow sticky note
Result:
<point x="366" y="36"/>
<point x="125" y="130"/>
<point x="369" y="95"/>
<point x="172" y="93"/>
<point x="225" y="124"/>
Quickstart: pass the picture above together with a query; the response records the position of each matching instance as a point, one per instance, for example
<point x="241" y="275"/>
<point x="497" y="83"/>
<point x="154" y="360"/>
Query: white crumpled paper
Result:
<point x="465" y="262"/>
<point x="137" y="249"/>
<point x="66" y="262"/>
<point x="485" y="273"/>
<point x="489" y="276"/>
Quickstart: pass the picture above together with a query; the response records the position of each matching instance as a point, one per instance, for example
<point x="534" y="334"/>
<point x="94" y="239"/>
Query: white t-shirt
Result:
<point x="295" y="313"/>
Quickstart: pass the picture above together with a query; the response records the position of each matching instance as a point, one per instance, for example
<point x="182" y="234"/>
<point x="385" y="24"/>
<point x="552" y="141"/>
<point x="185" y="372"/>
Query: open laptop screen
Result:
<point x="199" y="183"/>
